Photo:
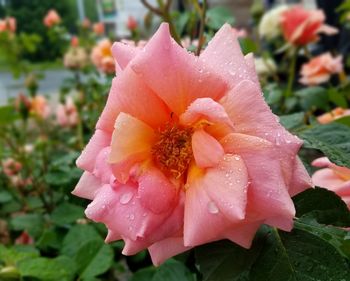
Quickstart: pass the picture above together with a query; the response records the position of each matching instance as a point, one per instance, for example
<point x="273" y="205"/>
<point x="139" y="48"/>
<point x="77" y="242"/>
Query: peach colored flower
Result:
<point x="319" y="69"/>
<point x="39" y="107"/>
<point x="332" y="177"/>
<point x="67" y="114"/>
<point x="86" y="23"/>
<point x="8" y="24"/>
<point x="131" y="24"/>
<point x="333" y="115"/>
<point x="99" y="28"/>
<point x="75" y="58"/>
<point x="301" y="26"/>
<point x="101" y="56"/>
<point x="74" y="42"/>
<point x="187" y="152"/>
<point x="11" y="167"/>
<point x="52" y="18"/>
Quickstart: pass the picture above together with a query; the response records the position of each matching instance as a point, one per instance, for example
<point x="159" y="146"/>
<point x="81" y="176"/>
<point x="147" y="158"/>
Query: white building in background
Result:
<point x="115" y="13"/>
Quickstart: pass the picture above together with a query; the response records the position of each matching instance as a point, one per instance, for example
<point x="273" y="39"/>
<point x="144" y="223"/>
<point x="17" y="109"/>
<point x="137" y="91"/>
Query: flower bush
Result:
<point x="200" y="151"/>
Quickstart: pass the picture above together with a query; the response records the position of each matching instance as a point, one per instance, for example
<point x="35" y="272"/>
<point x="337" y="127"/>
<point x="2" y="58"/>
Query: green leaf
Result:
<point x="5" y="196"/>
<point x="247" y="45"/>
<point x="60" y="268"/>
<point x="76" y="237"/>
<point x="332" y="139"/>
<point x="67" y="213"/>
<point x="49" y="239"/>
<point x="173" y="270"/>
<point x="218" y="16"/>
<point x="292" y="121"/>
<point x="344" y="120"/>
<point x="272" y="94"/>
<point x="337" y="97"/>
<point x="298" y="255"/>
<point x="337" y="237"/>
<point x="11" y="256"/>
<point x="8" y="114"/>
<point x="215" y="261"/>
<point x="313" y="98"/>
<point x="33" y="223"/>
<point x="322" y="205"/>
<point x="94" y="258"/>
<point x="144" y="274"/>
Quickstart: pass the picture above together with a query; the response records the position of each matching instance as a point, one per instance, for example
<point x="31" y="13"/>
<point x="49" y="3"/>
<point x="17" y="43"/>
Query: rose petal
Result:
<point x="87" y="186"/>
<point x="183" y="82"/>
<point x="99" y="140"/>
<point x="207" y="151"/>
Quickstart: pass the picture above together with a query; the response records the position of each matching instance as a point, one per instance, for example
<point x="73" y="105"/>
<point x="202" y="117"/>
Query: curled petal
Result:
<point x="87" y="186"/>
<point x="99" y="140"/>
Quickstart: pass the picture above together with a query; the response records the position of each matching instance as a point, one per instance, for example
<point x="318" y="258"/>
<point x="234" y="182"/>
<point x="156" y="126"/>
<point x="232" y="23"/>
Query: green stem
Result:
<point x="202" y="14"/>
<point x="291" y="77"/>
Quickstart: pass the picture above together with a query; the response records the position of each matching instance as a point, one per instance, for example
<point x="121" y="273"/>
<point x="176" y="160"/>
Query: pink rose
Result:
<point x="131" y="23"/>
<point x="99" y="28"/>
<point x="86" y="23"/>
<point x="319" y="69"/>
<point x="101" y="56"/>
<point x="52" y="18"/>
<point x="67" y="114"/>
<point x="74" y="42"/>
<point x="332" y="177"/>
<point x="333" y="115"/>
<point x="187" y="152"/>
<point x="11" y="167"/>
<point x="40" y="107"/>
<point x="8" y="24"/>
<point x="301" y="26"/>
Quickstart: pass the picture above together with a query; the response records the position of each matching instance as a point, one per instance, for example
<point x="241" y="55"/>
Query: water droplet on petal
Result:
<point x="125" y="198"/>
<point x="132" y="217"/>
<point x="212" y="208"/>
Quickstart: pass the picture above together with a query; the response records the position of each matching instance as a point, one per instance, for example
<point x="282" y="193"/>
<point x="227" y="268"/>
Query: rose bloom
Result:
<point x="101" y="56"/>
<point x="11" y="167"/>
<point x="332" y="177"/>
<point x="67" y="114"/>
<point x="75" y="58"/>
<point x="269" y="26"/>
<point x="319" y="69"/>
<point x="265" y="66"/>
<point x="52" y="18"/>
<point x="86" y="23"/>
<point x="301" y="26"/>
<point x="8" y="24"/>
<point x="24" y="239"/>
<point x="74" y="42"/>
<point x="98" y="28"/>
<point x="187" y="152"/>
<point x="39" y="107"/>
<point x="333" y="115"/>
<point x="131" y="24"/>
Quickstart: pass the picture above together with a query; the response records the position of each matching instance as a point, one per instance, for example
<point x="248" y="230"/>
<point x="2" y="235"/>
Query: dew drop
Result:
<point x="125" y="198"/>
<point x="212" y="208"/>
<point x="132" y="217"/>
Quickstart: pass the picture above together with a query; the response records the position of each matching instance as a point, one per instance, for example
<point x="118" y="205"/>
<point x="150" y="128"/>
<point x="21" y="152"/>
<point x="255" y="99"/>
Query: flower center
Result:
<point x="173" y="150"/>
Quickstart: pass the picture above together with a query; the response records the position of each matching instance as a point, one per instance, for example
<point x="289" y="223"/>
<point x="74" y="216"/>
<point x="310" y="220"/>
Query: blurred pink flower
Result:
<point x="332" y="177"/>
<point x="319" y="69"/>
<point x="187" y="152"/>
<point x="75" y="58"/>
<point x="52" y="18"/>
<point x="101" y="56"/>
<point x="301" y="26"/>
<point x="131" y="23"/>
<point x="74" y="42"/>
<point x="8" y="24"/>
<point x="11" y="167"/>
<point x="39" y="107"/>
<point x="67" y="114"/>
<point x="99" y="28"/>
<point x="333" y="115"/>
